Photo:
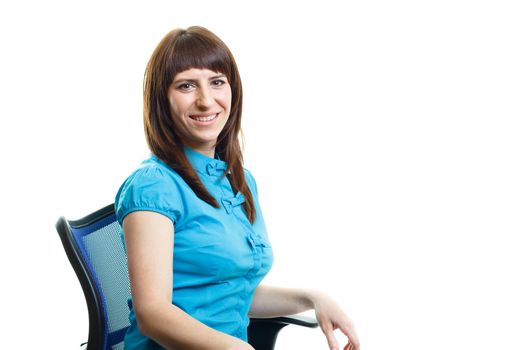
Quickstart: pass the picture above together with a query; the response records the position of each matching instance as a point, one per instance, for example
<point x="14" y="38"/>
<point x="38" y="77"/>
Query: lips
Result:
<point x="204" y="118"/>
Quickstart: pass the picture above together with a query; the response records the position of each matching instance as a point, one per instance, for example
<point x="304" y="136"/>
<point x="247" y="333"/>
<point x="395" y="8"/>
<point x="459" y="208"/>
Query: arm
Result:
<point x="274" y="301"/>
<point x="269" y="301"/>
<point x="149" y="245"/>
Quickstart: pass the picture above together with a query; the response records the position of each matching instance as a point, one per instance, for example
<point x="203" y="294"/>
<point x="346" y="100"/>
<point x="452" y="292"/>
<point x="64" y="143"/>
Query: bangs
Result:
<point x="191" y="51"/>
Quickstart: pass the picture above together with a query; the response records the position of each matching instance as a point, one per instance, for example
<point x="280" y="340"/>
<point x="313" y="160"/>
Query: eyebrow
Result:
<point x="194" y="81"/>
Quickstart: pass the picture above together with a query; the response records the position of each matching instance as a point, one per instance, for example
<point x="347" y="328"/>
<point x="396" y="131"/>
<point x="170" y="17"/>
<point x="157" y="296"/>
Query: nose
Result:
<point x="204" y="98"/>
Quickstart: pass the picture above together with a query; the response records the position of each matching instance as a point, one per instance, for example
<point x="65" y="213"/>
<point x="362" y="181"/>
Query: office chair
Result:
<point x="96" y="252"/>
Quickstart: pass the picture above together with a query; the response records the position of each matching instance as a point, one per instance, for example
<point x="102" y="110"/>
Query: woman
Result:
<point x="194" y="233"/>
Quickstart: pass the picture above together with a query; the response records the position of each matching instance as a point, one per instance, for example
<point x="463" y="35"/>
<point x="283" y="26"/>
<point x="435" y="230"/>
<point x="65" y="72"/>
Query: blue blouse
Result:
<point x="219" y="257"/>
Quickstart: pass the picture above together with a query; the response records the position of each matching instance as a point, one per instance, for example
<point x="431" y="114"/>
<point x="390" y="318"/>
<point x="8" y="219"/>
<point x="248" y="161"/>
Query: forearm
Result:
<point x="172" y="328"/>
<point x="269" y="301"/>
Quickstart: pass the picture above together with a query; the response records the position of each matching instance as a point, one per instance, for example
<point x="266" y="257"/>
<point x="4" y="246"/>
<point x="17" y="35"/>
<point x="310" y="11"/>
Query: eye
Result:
<point x="186" y="86"/>
<point x="218" y="82"/>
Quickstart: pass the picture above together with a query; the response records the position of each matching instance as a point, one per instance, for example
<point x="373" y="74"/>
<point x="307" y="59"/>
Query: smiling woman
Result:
<point x="194" y="231"/>
<point x="200" y="101"/>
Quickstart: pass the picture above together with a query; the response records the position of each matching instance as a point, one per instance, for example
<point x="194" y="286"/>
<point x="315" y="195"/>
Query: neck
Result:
<point x="207" y="151"/>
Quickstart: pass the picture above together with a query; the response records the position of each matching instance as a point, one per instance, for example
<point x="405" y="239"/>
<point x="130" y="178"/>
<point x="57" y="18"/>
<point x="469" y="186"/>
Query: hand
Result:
<point x="331" y="317"/>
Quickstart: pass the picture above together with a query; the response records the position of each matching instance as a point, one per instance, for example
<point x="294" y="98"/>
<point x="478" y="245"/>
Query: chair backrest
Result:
<point x="96" y="252"/>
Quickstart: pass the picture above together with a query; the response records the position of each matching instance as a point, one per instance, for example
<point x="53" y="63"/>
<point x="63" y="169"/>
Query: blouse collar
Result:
<point x="204" y="164"/>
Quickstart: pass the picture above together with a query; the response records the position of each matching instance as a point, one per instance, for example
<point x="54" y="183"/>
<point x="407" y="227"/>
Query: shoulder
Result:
<point x="154" y="169"/>
<point x="250" y="181"/>
<point x="248" y="175"/>
<point x="152" y="174"/>
<point x="153" y="186"/>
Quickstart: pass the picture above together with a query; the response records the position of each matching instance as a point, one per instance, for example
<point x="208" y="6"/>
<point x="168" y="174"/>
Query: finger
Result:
<point x="349" y="346"/>
<point x="332" y="341"/>
<point x="352" y="337"/>
<point x="328" y="329"/>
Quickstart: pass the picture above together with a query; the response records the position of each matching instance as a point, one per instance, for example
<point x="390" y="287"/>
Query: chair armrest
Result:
<point x="298" y="319"/>
<point x="262" y="332"/>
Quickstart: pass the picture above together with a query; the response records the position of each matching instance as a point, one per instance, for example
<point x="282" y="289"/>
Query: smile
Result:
<point x="204" y="118"/>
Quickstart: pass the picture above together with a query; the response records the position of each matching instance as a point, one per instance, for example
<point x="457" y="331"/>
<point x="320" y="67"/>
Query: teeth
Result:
<point x="204" y="119"/>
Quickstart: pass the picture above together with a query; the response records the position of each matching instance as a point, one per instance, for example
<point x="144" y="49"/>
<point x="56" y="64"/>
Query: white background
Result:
<point x="387" y="138"/>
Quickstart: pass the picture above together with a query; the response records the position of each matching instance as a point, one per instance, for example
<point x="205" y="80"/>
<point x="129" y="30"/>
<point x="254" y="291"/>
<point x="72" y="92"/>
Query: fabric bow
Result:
<point x="230" y="203"/>
<point x="216" y="168"/>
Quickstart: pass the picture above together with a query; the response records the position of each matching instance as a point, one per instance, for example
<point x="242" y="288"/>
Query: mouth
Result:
<point x="204" y="118"/>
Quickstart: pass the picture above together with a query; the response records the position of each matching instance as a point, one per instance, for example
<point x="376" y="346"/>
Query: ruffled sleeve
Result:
<point x="149" y="188"/>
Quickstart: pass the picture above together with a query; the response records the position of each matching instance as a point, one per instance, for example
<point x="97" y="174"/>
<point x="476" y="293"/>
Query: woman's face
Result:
<point x="200" y="102"/>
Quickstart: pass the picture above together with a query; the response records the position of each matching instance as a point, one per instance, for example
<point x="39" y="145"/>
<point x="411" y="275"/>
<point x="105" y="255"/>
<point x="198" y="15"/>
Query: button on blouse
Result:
<point x="219" y="257"/>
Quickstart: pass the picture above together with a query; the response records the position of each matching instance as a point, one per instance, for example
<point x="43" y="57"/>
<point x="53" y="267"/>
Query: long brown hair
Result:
<point x="179" y="50"/>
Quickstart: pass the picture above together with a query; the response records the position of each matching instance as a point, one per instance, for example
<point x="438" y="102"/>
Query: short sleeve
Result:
<point x="149" y="188"/>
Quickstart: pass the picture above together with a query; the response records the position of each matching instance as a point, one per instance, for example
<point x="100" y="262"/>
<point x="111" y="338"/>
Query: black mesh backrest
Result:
<point x="96" y="251"/>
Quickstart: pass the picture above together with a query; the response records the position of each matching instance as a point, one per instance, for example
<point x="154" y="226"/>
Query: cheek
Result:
<point x="177" y="107"/>
<point x="227" y="100"/>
